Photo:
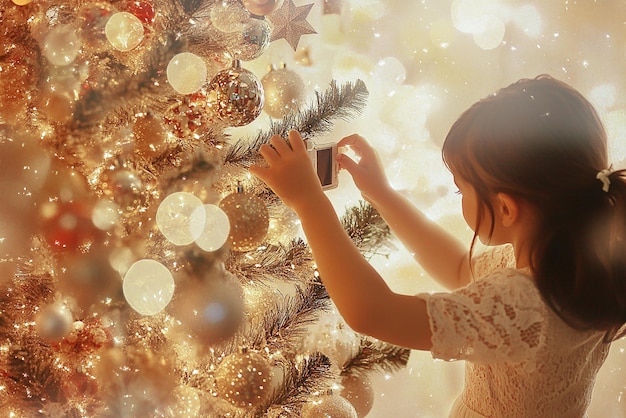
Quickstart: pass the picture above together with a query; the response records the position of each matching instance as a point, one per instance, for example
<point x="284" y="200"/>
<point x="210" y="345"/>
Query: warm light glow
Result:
<point x="175" y="218"/>
<point x="148" y="286"/>
<point x="216" y="227"/>
<point x="186" y="73"/>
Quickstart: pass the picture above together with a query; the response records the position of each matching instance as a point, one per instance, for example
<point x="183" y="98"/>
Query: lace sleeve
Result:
<point x="498" y="318"/>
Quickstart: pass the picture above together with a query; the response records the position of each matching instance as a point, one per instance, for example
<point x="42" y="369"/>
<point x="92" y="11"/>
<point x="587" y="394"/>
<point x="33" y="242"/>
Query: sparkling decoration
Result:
<point x="290" y="23"/>
<point x="124" y="31"/>
<point x="54" y="322"/>
<point x="186" y="73"/>
<point x="244" y="379"/>
<point x="148" y="286"/>
<point x="150" y="136"/>
<point x="262" y="7"/>
<point x="249" y="220"/>
<point x="178" y="219"/>
<point x="216" y="228"/>
<point x="213" y="310"/>
<point x="61" y="45"/>
<point x="189" y="116"/>
<point x="328" y="406"/>
<point x="251" y="41"/>
<point x="284" y="91"/>
<point x="235" y="95"/>
<point x="124" y="187"/>
<point x="358" y="390"/>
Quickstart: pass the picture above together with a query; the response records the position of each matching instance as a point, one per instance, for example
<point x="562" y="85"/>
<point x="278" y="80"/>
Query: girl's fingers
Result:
<point x="296" y="141"/>
<point x="346" y="162"/>
<point x="268" y="152"/>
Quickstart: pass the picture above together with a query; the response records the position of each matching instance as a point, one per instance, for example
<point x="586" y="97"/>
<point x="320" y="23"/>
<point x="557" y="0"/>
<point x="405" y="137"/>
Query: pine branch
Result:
<point x="337" y="102"/>
<point x="277" y="261"/>
<point x="367" y="229"/>
<point x="289" y="320"/>
<point x="304" y="378"/>
<point x="375" y="355"/>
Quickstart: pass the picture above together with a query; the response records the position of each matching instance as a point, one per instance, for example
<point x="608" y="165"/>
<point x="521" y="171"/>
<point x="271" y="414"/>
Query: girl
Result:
<point x="533" y="318"/>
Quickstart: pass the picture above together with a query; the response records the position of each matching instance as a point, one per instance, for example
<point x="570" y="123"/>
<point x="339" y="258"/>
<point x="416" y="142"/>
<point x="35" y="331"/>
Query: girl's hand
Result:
<point x="367" y="173"/>
<point x="289" y="172"/>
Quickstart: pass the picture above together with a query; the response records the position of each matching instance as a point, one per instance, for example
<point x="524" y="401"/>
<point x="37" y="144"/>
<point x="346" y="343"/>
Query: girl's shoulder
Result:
<point x="493" y="258"/>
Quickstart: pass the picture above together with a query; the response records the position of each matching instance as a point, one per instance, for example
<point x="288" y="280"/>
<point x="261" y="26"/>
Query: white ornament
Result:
<point x="61" y="45"/>
<point x="124" y="31"/>
<point x="216" y="228"/>
<point x="175" y="218"/>
<point x="148" y="286"/>
<point x="186" y="73"/>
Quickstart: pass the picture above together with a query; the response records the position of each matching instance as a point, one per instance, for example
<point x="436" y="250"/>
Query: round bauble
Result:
<point x="244" y="379"/>
<point x="328" y="406"/>
<point x="235" y="95"/>
<point x="53" y="322"/>
<point x="358" y="390"/>
<point x="251" y="41"/>
<point x="284" y="92"/>
<point x="249" y="220"/>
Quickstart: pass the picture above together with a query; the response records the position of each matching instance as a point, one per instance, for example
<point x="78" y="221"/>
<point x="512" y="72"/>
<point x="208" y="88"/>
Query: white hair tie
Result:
<point x="603" y="176"/>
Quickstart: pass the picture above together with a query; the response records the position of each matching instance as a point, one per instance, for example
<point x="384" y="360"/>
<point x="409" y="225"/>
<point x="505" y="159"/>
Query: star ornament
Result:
<point x="290" y="23"/>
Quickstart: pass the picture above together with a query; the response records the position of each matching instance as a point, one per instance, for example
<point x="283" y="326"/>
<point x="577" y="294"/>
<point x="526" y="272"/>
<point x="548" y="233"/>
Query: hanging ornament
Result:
<point x="186" y="73"/>
<point x="284" y="91"/>
<point x="212" y="310"/>
<point x="262" y="7"/>
<point x="235" y="95"/>
<point x="61" y="45"/>
<point x="124" y="31"/>
<point x="150" y="136"/>
<point x="251" y="41"/>
<point x="228" y="16"/>
<point x="358" y="390"/>
<point x="328" y="406"/>
<point x="249" y="219"/>
<point x="244" y="379"/>
<point x="290" y="23"/>
<point x="54" y="322"/>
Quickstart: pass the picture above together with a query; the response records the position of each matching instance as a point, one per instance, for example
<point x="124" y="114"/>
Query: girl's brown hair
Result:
<point x="540" y="140"/>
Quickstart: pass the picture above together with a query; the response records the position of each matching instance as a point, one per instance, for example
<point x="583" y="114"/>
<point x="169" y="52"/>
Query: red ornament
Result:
<point x="67" y="226"/>
<point x="143" y="10"/>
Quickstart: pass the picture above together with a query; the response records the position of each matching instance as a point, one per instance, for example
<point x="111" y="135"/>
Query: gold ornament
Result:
<point x="150" y="136"/>
<point x="262" y="7"/>
<point x="284" y="91"/>
<point x="244" y="379"/>
<point x="54" y="322"/>
<point x="249" y="220"/>
<point x="235" y="95"/>
<point x="124" y="187"/>
<point x="290" y="23"/>
<point x="358" y="390"/>
<point x="329" y="406"/>
<point x="213" y="311"/>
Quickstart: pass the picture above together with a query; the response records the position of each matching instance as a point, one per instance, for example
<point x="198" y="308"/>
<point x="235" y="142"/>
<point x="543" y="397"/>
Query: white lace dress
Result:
<point x="522" y="359"/>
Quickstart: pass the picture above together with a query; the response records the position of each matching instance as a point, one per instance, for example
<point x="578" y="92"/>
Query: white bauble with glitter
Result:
<point x="176" y="220"/>
<point x="186" y="73"/>
<point x="148" y="286"/>
<point x="124" y="31"/>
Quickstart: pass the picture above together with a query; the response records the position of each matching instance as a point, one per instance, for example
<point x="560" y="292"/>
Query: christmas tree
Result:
<point x="144" y="271"/>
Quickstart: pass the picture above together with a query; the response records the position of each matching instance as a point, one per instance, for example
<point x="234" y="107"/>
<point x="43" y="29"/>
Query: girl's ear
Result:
<point x="507" y="209"/>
